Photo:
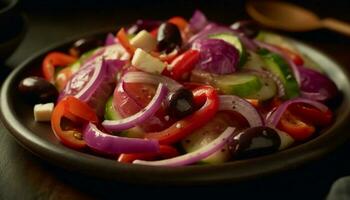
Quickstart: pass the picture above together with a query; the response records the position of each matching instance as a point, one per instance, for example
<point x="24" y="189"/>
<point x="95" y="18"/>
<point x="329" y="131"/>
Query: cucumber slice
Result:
<point x="204" y="136"/>
<point x="112" y="114"/>
<point x="240" y="84"/>
<point x="234" y="41"/>
<point x="277" y="65"/>
<point x="275" y="39"/>
<point x="254" y="61"/>
<point x="267" y="91"/>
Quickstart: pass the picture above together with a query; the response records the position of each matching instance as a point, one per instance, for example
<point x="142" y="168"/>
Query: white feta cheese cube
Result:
<point x="42" y="112"/>
<point x="144" y="40"/>
<point x="145" y="62"/>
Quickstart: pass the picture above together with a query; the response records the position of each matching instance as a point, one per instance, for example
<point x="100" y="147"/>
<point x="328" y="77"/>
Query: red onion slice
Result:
<point x="111" y="144"/>
<point x="93" y="83"/>
<point x="316" y="96"/>
<point x="273" y="49"/>
<point x="195" y="156"/>
<point x="274" y="118"/>
<point x="141" y="116"/>
<point x="110" y="39"/>
<point x="197" y="21"/>
<point x="142" y="77"/>
<point x="237" y="104"/>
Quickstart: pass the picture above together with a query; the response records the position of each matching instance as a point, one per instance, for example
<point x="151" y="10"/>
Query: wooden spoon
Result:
<point x="289" y="17"/>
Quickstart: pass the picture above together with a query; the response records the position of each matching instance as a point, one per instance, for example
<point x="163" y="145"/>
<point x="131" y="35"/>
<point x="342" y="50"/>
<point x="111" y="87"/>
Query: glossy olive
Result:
<point x="168" y="37"/>
<point x="253" y="142"/>
<point x="83" y="45"/>
<point x="37" y="90"/>
<point x="248" y="28"/>
<point x="180" y="103"/>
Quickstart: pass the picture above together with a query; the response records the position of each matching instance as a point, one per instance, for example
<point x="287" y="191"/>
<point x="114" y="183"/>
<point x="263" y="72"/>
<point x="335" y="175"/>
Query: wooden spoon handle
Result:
<point x="337" y="25"/>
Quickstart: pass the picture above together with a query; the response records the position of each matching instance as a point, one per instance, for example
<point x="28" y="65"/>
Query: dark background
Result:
<point x="24" y="176"/>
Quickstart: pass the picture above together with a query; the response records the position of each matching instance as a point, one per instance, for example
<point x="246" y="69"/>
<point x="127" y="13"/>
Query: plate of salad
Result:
<point x="178" y="101"/>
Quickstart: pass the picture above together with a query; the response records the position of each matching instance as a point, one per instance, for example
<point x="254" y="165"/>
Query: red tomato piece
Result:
<point x="311" y="114"/>
<point x="295" y="127"/>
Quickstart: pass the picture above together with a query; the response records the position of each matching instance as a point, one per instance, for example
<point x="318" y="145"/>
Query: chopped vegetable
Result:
<point x="216" y="56"/>
<point x="76" y="111"/>
<point x="141" y="116"/>
<point x="187" y="125"/>
<point x="53" y="60"/>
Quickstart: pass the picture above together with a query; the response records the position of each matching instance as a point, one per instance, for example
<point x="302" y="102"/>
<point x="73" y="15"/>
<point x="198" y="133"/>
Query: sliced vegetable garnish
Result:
<point x="277" y="65"/>
<point x="165" y="152"/>
<point x="124" y="41"/>
<point x="310" y="114"/>
<point x="243" y="107"/>
<point x="78" y="112"/>
<point x="282" y="53"/>
<point x="141" y="116"/>
<point x="316" y="86"/>
<point x="216" y="56"/>
<point x="195" y="156"/>
<point x="268" y="75"/>
<point x="53" y="60"/>
<point x="110" y="144"/>
<point x="110" y="39"/>
<point x="94" y="82"/>
<point x="187" y="125"/>
<point x="295" y="127"/>
<point x="198" y="21"/>
<point x="143" y="77"/>
<point x="181" y="67"/>
<point x="275" y="117"/>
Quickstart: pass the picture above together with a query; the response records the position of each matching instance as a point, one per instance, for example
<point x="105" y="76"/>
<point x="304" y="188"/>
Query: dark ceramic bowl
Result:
<point x="13" y="28"/>
<point x="39" y="139"/>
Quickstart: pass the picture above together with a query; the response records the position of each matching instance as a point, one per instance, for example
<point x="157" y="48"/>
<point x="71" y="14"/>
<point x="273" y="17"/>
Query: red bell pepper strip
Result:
<point x="183" y="64"/>
<point x="55" y="59"/>
<point x="124" y="41"/>
<point x="78" y="112"/>
<point x="185" y="126"/>
<point x="165" y="152"/>
<point x="295" y="127"/>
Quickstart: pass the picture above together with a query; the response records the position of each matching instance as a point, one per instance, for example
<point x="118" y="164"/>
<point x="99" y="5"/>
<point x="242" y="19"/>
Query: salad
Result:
<point x="181" y="92"/>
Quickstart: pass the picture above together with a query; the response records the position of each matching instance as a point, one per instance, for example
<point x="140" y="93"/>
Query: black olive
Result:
<point x="168" y="37"/>
<point x="248" y="28"/>
<point x="253" y="142"/>
<point x="37" y="90"/>
<point x="180" y="103"/>
<point x="83" y="45"/>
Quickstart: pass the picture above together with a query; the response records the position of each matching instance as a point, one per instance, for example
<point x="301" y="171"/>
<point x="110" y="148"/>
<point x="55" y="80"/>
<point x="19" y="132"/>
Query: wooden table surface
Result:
<point x="24" y="176"/>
